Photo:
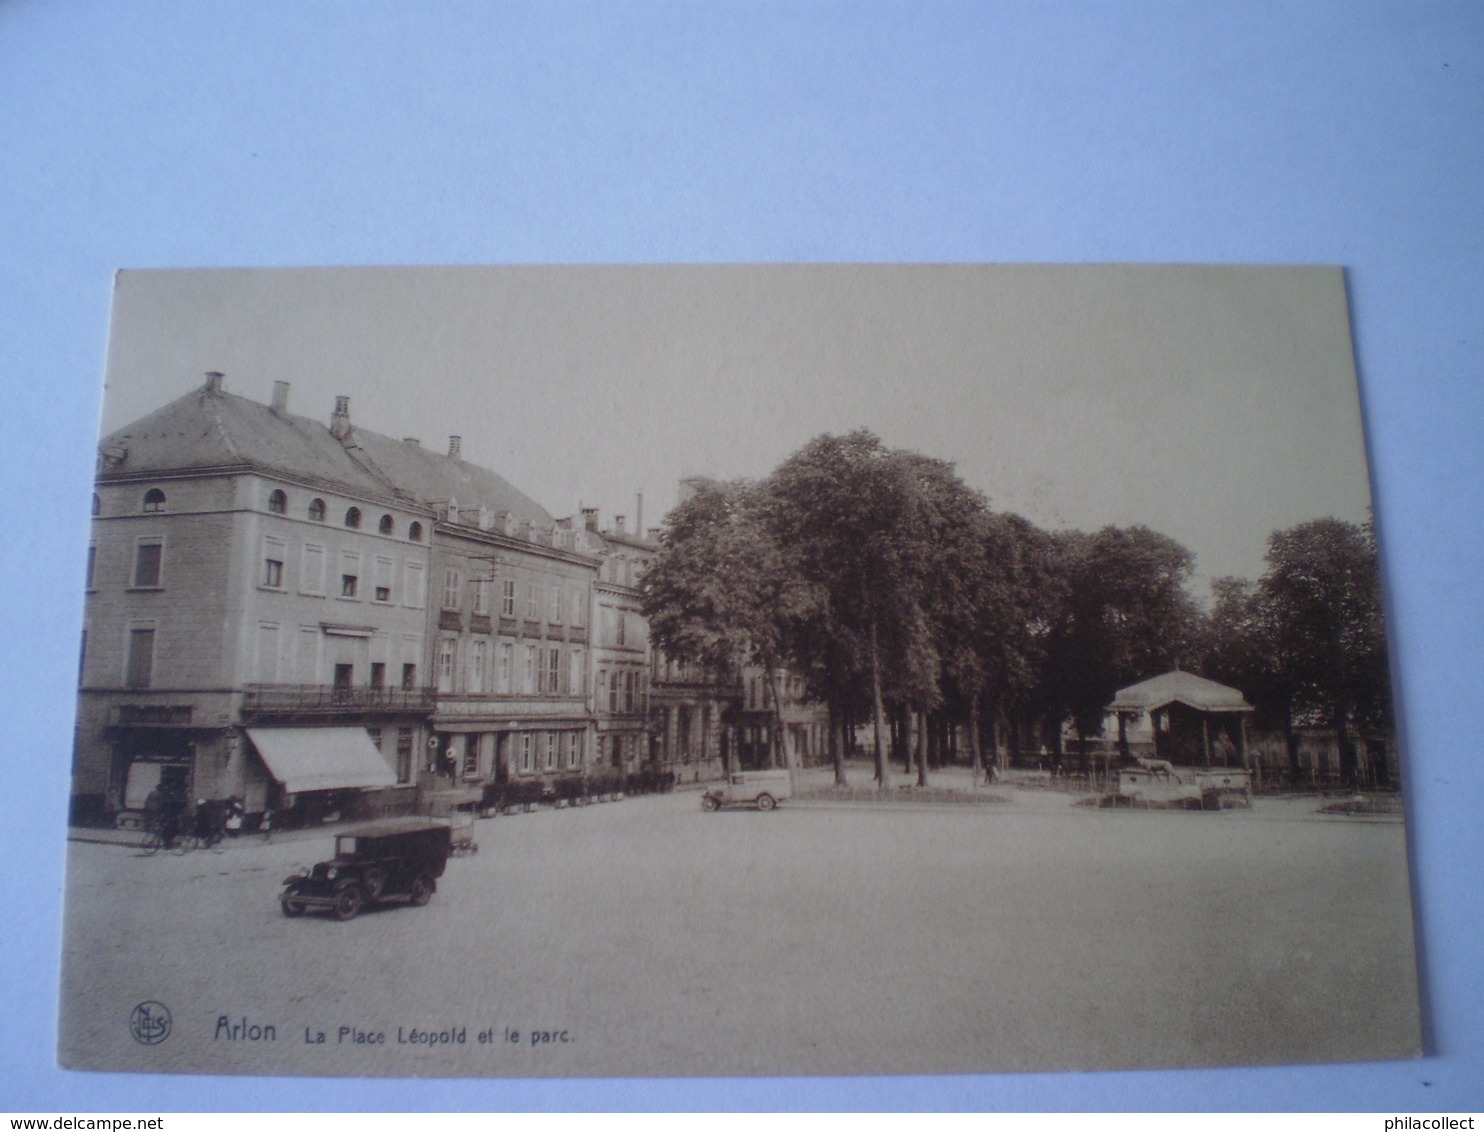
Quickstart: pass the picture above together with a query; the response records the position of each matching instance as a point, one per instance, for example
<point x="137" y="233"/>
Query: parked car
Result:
<point x="761" y="788"/>
<point x="398" y="860"/>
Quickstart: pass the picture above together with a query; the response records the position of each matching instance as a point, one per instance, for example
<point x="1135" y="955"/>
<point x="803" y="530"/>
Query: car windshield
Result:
<point x="345" y="846"/>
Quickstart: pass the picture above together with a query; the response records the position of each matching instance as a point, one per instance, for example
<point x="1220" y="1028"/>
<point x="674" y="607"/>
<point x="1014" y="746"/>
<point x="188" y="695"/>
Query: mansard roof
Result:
<point x="432" y="477"/>
<point x="211" y="429"/>
<point x="208" y="429"/>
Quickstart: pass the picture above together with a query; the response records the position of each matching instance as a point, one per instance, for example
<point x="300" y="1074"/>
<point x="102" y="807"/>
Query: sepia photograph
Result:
<point x="733" y="670"/>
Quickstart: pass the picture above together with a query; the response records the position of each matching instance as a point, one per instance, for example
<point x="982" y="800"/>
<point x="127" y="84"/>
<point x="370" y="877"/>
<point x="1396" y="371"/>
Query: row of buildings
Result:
<point x="318" y="619"/>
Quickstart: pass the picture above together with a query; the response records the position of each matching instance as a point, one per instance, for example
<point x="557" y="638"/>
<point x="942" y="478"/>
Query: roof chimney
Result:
<point x="340" y="421"/>
<point x="280" y="398"/>
<point x="456" y="447"/>
<point x="639" y="517"/>
<point x="214" y="381"/>
<point x="590" y="518"/>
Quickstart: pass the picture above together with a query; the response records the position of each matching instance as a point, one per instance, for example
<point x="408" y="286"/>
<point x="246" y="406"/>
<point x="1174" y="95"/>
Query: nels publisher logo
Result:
<point x="150" y="1023"/>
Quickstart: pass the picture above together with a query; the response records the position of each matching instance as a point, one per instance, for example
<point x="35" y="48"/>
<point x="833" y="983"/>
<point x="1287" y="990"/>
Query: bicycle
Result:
<point x="162" y="836"/>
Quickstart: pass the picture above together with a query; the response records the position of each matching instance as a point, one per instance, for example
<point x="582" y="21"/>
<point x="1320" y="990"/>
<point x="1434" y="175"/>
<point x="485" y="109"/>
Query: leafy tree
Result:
<point x="859" y="519"/>
<point x="1327" y="641"/>
<point x="722" y="592"/>
<point x="1128" y="616"/>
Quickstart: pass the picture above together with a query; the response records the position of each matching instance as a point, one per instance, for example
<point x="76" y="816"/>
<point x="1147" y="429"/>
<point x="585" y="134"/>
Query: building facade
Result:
<point x="246" y="577"/>
<point x="321" y="620"/>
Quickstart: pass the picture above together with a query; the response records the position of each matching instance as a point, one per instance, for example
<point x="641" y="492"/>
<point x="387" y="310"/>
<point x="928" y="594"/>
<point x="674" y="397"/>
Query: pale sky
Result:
<point x="1214" y="404"/>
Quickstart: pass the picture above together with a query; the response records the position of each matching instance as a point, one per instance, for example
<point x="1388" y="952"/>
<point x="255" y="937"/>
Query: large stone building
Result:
<point x="319" y="619"/>
<point x="256" y="622"/>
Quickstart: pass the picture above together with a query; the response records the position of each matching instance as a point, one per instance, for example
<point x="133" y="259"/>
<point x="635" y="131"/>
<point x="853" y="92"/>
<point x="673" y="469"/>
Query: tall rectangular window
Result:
<point x="450" y="589"/>
<point x="578" y="674"/>
<point x="350" y="574"/>
<point x="477" y="658"/>
<point x="404" y="754"/>
<point x="529" y="685"/>
<point x="409" y="677"/>
<point x="507" y="668"/>
<point x="378" y="674"/>
<point x="551" y="760"/>
<point x="275" y="552"/>
<point x="92" y="564"/>
<point x="471" y="756"/>
<point x="553" y="670"/>
<point x="384" y="568"/>
<point x="140" y="667"/>
<point x="148" y="557"/>
<point x="525" y="752"/>
<point x="533" y="602"/>
<point x="556" y="605"/>
<point x="620" y="619"/>
<point x="507" y="597"/>
<point x="446" y="647"/>
<point x="579" y="608"/>
<point x="613" y="691"/>
<point x="482" y="597"/>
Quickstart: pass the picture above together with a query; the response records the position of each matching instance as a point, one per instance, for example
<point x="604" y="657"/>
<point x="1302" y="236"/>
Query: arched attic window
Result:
<point x="415" y="532"/>
<point x="317" y="510"/>
<point x="154" y="500"/>
<point x="278" y="502"/>
<point x="353" y="518"/>
<point x="387" y="525"/>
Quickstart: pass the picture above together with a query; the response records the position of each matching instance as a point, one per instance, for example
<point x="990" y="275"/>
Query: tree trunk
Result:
<point x="837" y="740"/>
<point x="780" y="729"/>
<point x="974" y="751"/>
<point x="1291" y="742"/>
<point x="1349" y="765"/>
<point x="878" y="712"/>
<point x="923" y="724"/>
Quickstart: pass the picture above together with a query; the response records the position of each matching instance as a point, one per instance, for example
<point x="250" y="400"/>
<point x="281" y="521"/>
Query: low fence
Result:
<point x="514" y="797"/>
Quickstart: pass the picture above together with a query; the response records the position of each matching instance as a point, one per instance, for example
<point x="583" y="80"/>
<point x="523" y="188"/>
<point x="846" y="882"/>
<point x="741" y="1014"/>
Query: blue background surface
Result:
<point x="186" y="135"/>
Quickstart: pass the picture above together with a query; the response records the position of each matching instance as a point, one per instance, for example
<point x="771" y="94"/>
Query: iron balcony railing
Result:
<point x="332" y="698"/>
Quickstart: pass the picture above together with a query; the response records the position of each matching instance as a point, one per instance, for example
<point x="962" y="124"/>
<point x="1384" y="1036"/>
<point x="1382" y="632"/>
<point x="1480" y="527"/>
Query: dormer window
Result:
<point x="415" y="532"/>
<point x="278" y="503"/>
<point x="317" y="510"/>
<point x="387" y="525"/>
<point x="353" y="518"/>
<point x="154" y="500"/>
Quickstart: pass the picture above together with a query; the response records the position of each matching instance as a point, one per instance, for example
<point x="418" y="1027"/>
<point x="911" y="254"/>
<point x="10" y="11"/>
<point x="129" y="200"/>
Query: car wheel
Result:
<point x="422" y="891"/>
<point x="709" y="804"/>
<point x="348" y="903"/>
<point x="765" y="802"/>
<point x="373" y="884"/>
<point x="152" y="845"/>
<point x="292" y="908"/>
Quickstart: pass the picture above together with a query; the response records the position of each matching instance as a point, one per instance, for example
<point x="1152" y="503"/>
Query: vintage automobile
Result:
<point x="1155" y="782"/>
<point x="398" y="860"/>
<point x="761" y="788"/>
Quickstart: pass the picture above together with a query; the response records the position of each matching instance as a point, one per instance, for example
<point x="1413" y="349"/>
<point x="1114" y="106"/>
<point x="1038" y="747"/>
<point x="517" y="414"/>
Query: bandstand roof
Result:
<point x="1179" y="687"/>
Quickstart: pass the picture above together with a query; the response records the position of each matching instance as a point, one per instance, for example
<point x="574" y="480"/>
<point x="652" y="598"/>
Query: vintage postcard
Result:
<point x="730" y="670"/>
